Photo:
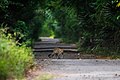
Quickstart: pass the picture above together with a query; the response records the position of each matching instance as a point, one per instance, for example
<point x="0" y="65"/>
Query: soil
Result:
<point x="78" y="69"/>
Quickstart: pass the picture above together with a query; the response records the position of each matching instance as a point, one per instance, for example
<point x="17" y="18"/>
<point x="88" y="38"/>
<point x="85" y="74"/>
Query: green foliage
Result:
<point x="67" y="23"/>
<point x="25" y="17"/>
<point x="46" y="31"/>
<point x="13" y="59"/>
<point x="97" y="21"/>
<point x="48" y="26"/>
<point x="71" y="24"/>
<point x="21" y="32"/>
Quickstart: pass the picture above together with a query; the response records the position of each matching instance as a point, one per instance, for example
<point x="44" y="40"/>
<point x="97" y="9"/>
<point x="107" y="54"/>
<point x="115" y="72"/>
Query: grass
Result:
<point x="44" y="77"/>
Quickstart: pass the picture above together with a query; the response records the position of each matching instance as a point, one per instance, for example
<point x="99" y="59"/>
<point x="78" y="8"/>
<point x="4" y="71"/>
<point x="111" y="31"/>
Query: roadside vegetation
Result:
<point x="14" y="60"/>
<point x="44" y="77"/>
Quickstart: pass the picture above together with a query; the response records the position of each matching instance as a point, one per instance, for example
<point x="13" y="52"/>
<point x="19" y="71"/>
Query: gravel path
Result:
<point x="85" y="69"/>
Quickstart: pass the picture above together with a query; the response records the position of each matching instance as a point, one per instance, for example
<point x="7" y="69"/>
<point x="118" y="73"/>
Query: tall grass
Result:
<point x="13" y="59"/>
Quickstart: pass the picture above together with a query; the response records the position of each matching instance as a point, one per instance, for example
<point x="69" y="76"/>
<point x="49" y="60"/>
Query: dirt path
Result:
<point x="45" y="46"/>
<point x="86" y="69"/>
<point x="72" y="68"/>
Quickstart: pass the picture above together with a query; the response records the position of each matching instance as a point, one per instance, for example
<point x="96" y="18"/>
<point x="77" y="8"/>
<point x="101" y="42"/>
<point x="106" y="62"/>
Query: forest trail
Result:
<point x="72" y="68"/>
<point x="45" y="46"/>
<point x="81" y="69"/>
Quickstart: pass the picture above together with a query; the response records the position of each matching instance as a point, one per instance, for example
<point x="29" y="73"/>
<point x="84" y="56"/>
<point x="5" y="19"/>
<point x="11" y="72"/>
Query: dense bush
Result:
<point x="13" y="59"/>
<point x="23" y="16"/>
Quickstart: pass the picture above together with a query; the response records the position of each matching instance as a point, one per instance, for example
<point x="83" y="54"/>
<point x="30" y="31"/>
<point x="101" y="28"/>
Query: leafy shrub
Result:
<point x="13" y="59"/>
<point x="21" y="31"/>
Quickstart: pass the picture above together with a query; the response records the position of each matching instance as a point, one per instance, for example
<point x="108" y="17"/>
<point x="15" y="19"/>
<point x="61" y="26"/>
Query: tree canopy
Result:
<point x="68" y="19"/>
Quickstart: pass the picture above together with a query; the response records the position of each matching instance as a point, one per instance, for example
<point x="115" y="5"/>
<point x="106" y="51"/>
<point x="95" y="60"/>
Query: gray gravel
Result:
<point x="85" y="69"/>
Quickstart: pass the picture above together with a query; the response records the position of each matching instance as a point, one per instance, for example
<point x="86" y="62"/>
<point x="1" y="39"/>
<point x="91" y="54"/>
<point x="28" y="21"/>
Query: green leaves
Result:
<point x="4" y="4"/>
<point x="13" y="59"/>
